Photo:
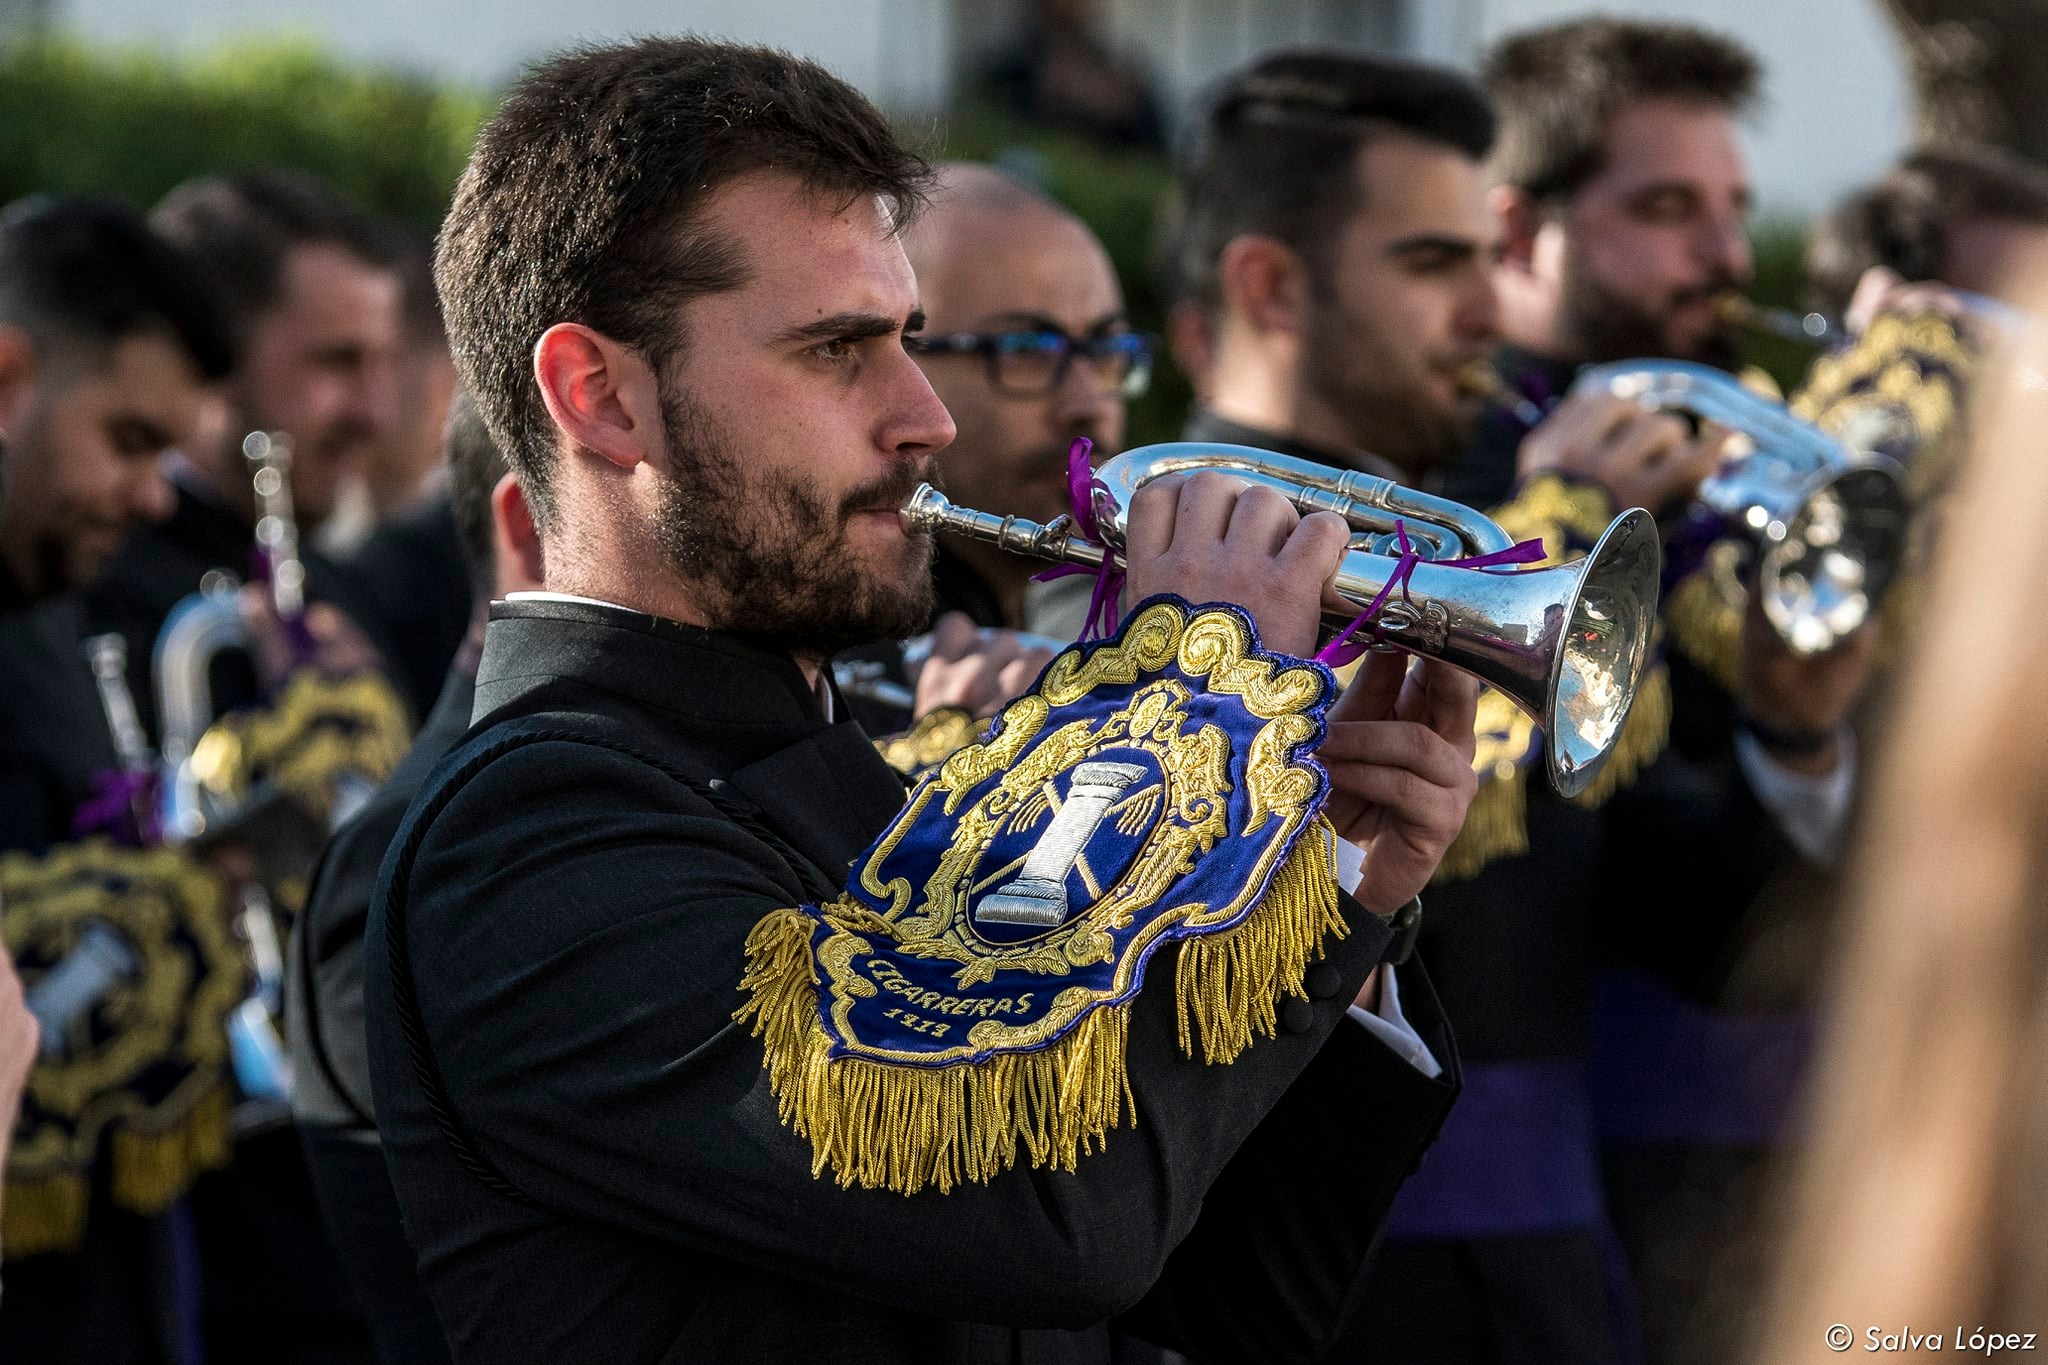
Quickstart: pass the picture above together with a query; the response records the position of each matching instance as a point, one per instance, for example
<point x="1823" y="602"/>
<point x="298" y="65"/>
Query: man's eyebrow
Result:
<point x="1024" y="318"/>
<point x="1440" y="242"/>
<point x="129" y="423"/>
<point x="855" y="325"/>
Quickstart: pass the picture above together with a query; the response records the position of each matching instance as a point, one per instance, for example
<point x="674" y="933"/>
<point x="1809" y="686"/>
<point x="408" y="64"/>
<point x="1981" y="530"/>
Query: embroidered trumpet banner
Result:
<point x="966" y="1000"/>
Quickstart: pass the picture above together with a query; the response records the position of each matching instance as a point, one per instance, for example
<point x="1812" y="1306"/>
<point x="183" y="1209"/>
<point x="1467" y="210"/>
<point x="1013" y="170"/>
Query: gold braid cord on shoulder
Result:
<point x="1046" y="1081"/>
<point x="1568" y="517"/>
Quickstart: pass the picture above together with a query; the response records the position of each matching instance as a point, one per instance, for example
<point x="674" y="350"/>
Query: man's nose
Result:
<point x="918" y="424"/>
<point x="1723" y="246"/>
<point x="152" y="498"/>
<point x="1477" y="319"/>
<point x="1084" y="399"/>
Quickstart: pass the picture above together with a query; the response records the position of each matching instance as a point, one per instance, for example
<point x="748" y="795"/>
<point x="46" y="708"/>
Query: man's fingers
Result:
<point x="954" y="636"/>
<point x="1148" y="524"/>
<point x="1315" y="547"/>
<point x="1644" y="440"/>
<point x="1207" y="500"/>
<point x="1395" y="744"/>
<point x="1261" y="520"/>
<point x="1681" y="476"/>
<point x="1373" y="689"/>
<point x="1443" y="699"/>
<point x="1413" y="799"/>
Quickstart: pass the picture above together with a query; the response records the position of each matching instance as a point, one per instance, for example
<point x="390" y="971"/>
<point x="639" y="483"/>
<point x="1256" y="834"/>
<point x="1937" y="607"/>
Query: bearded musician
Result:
<point x="684" y="1043"/>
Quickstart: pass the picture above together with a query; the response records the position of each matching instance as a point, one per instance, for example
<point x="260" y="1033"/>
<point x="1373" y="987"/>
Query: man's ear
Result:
<point x="1520" y="219"/>
<point x="515" y="540"/>
<point x="19" y="370"/>
<point x="601" y="394"/>
<point x="1264" y="282"/>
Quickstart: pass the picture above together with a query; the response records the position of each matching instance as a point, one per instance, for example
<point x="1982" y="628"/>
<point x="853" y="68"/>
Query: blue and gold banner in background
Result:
<point x="968" y="996"/>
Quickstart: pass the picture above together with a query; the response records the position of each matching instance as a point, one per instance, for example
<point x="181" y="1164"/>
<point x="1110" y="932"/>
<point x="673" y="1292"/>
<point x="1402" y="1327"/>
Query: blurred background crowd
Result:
<point x="1699" y="912"/>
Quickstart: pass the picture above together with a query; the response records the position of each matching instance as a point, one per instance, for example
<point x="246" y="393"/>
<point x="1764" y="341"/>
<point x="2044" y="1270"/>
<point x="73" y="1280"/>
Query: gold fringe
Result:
<point x="1226" y="984"/>
<point x="1496" y="826"/>
<point x="1644" y="736"/>
<point x="1706" y="628"/>
<point x="45" y="1214"/>
<point x="153" y="1169"/>
<point x="903" y="1128"/>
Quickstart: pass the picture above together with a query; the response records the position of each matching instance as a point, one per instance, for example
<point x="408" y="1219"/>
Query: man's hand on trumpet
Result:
<point x="1399" y="748"/>
<point x="1646" y="459"/>
<point x="1399" y="755"/>
<point x="1211" y="538"/>
<point x="977" y="670"/>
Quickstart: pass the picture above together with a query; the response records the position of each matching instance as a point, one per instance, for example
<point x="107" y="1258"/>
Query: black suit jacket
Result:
<point x="331" y="1098"/>
<point x="585" y="1145"/>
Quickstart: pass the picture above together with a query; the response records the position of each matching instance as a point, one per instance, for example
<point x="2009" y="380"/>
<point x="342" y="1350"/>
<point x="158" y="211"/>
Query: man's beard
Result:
<point x="1395" y="421"/>
<point x="1605" y="327"/>
<point x="772" y="554"/>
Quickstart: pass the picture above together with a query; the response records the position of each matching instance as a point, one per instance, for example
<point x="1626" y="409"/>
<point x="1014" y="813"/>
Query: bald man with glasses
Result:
<point x="1027" y="343"/>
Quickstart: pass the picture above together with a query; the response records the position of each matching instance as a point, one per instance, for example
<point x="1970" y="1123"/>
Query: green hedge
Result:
<point x="133" y="123"/>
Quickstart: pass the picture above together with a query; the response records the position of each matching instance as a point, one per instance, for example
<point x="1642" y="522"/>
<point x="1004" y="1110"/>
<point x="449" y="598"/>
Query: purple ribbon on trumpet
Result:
<point x="1343" y="649"/>
<point x="1082" y="488"/>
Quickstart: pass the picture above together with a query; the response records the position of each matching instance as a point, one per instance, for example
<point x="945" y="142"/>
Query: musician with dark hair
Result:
<point x="1622" y="193"/>
<point x="111" y="348"/>
<point x="1336" y="238"/>
<point x="314" y="302"/>
<point x="599" y="1014"/>
<point x="1965" y="217"/>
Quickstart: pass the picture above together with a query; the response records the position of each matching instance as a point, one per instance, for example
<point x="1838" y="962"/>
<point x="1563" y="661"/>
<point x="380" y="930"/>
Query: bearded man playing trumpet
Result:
<point x="1622" y="194"/>
<point x="691" y="1040"/>
<point x="1338" y="244"/>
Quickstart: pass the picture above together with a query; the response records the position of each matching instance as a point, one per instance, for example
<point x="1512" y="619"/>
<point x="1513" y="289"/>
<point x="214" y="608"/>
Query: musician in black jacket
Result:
<point x="315" y="307"/>
<point x="110" y="348"/>
<point x="673" y="283"/>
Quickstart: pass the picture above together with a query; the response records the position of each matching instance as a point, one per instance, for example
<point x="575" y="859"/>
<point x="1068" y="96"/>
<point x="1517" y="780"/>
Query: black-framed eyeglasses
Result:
<point x="1031" y="362"/>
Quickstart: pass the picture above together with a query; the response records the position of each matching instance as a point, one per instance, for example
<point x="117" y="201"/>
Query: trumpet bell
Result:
<point x="1828" y="560"/>
<point x="1598" y="665"/>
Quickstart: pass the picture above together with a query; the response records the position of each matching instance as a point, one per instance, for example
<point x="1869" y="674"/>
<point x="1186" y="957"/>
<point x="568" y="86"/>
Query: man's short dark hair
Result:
<point x="1558" y="88"/>
<point x="1276" y="153"/>
<point x="1903" y="220"/>
<point x="242" y="227"/>
<point x="475" y="465"/>
<point x="79" y="275"/>
<point x="581" y="200"/>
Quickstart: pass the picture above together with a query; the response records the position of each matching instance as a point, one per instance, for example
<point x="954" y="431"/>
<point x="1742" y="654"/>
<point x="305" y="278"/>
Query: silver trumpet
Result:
<point x="1566" y="644"/>
<point x="1829" y="523"/>
<point x="208" y="624"/>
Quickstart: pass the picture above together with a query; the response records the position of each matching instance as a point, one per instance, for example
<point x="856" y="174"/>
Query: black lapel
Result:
<point x="829" y="795"/>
